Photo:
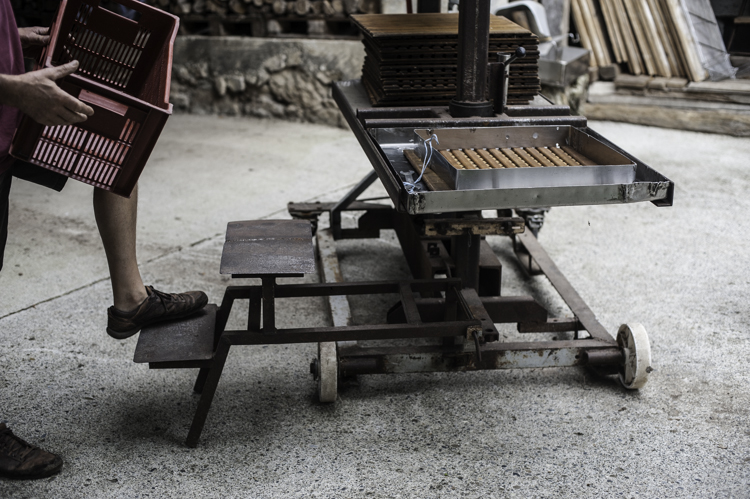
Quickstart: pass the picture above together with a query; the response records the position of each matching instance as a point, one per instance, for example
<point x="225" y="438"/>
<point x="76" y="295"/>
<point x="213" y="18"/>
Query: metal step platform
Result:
<point x="184" y="343"/>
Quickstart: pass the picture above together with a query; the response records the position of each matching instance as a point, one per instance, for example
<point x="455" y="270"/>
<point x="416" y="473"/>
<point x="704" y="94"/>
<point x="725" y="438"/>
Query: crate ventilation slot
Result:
<point x="83" y="153"/>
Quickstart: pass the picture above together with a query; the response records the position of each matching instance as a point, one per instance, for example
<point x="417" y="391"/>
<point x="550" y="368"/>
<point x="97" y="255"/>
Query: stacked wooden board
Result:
<point x="411" y="59"/>
<point x="654" y="37"/>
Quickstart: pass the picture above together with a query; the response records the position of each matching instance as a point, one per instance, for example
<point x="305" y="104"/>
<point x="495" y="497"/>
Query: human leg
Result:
<point x="116" y="219"/>
<point x="135" y="305"/>
<point x="18" y="459"/>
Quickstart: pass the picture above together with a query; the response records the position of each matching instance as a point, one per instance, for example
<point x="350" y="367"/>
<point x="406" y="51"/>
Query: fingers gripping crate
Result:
<point x="124" y="74"/>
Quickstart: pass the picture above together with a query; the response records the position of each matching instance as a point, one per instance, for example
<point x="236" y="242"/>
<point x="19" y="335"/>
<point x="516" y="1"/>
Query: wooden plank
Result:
<point x="489" y="158"/>
<point x="632" y="81"/>
<point x="570" y="160"/>
<point x="583" y="32"/>
<point x="464" y="159"/>
<point x="451" y="159"/>
<point x="661" y="99"/>
<point x="526" y="156"/>
<point x="640" y="36"/>
<point x="541" y="158"/>
<point x="597" y="30"/>
<point x="432" y="179"/>
<point x="700" y="120"/>
<point x="652" y="38"/>
<point x="502" y="158"/>
<point x="613" y="29"/>
<point x="556" y="159"/>
<point x="674" y="36"/>
<point x="477" y="159"/>
<point x="578" y="156"/>
<point x="695" y="71"/>
<point x="514" y="158"/>
<point x="437" y="24"/>
<point x="635" y="64"/>
<point x="666" y="40"/>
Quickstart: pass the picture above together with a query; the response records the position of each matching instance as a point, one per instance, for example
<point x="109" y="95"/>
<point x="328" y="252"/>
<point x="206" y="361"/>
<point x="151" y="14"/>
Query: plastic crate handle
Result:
<point x="103" y="102"/>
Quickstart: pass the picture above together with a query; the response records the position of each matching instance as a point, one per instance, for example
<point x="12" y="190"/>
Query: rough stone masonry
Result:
<point x="263" y="77"/>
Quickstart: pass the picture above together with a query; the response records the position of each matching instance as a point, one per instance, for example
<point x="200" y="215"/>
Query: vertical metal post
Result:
<point x="253" y="312"/>
<point x="207" y="388"/>
<point x="465" y="249"/>
<point x="473" y="48"/>
<point x="269" y="313"/>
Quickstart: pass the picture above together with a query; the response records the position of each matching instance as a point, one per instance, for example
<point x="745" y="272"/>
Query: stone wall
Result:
<point x="263" y="77"/>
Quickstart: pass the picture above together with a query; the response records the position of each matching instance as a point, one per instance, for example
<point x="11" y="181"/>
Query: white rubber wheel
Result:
<point x="633" y="340"/>
<point x="329" y="372"/>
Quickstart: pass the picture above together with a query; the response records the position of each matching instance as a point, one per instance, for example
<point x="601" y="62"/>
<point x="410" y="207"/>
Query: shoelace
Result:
<point x="14" y="446"/>
<point x="411" y="187"/>
<point x="163" y="297"/>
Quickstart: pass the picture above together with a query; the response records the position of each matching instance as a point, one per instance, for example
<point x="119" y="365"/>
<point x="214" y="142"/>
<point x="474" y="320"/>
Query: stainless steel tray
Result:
<point x="610" y="167"/>
<point x="384" y="146"/>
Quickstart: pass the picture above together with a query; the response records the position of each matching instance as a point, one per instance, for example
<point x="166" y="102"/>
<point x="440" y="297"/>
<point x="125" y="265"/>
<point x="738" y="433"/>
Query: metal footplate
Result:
<point x="184" y="343"/>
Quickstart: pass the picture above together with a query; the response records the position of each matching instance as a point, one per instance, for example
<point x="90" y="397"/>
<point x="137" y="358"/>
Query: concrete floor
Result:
<point x="684" y="272"/>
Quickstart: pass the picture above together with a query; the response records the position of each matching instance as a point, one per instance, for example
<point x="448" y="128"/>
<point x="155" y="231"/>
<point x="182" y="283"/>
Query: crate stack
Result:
<point x="411" y="59"/>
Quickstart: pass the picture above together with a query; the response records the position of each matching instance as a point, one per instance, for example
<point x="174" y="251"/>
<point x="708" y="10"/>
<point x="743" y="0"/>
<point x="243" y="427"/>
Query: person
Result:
<point x="135" y="305"/>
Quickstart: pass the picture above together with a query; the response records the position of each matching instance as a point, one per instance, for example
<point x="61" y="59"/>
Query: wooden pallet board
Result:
<point x="420" y="25"/>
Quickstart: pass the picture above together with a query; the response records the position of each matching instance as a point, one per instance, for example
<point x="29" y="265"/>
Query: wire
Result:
<point x="411" y="187"/>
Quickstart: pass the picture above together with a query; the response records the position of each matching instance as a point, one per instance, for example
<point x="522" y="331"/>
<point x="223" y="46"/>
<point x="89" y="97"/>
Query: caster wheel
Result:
<point x="328" y="372"/>
<point x="637" y="355"/>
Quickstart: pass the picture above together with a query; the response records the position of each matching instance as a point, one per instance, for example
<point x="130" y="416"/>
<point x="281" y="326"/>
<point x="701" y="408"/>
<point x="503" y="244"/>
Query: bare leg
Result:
<point x="116" y="218"/>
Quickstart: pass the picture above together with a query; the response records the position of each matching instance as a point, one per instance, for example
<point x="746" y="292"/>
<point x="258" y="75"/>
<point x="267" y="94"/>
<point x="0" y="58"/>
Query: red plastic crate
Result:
<point x="124" y="75"/>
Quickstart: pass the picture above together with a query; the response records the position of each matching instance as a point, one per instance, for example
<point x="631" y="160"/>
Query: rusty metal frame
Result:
<point x="414" y="232"/>
<point x="460" y="321"/>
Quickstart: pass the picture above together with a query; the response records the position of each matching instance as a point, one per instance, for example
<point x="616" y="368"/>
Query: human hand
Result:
<point x="32" y="39"/>
<point x="36" y="94"/>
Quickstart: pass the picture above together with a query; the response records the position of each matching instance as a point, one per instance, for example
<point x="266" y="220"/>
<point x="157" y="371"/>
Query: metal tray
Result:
<point x="384" y="141"/>
<point x="610" y="166"/>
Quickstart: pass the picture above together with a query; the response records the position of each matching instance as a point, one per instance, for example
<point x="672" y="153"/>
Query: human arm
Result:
<point x="36" y="95"/>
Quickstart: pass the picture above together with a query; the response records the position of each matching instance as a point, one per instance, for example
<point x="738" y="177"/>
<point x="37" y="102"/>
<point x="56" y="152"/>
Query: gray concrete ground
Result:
<point x="684" y="272"/>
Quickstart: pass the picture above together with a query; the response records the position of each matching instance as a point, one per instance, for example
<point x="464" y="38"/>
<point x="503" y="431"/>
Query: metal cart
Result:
<point x="445" y="319"/>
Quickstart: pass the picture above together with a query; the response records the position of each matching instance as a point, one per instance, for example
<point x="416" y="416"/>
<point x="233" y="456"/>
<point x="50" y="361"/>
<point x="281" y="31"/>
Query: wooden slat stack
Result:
<point x="411" y="58"/>
<point x="651" y="37"/>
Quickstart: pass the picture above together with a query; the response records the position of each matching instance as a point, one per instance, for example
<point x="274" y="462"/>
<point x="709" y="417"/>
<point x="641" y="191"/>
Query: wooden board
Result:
<point x="640" y="35"/>
<point x="613" y="29"/>
<point x="665" y="38"/>
<point x="597" y="29"/>
<point x="652" y="38"/>
<point x="411" y="25"/>
<point x="635" y="64"/>
<point x="674" y="36"/>
<point x="687" y="43"/>
<point x="575" y="6"/>
<point x="433" y="181"/>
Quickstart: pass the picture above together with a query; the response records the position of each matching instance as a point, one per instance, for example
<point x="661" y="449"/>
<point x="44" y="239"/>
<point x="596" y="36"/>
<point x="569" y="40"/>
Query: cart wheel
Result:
<point x="633" y="340"/>
<point x="328" y="372"/>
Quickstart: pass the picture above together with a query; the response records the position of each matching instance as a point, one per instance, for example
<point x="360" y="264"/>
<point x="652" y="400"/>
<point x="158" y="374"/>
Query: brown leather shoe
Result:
<point x="22" y="461"/>
<point x="156" y="308"/>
